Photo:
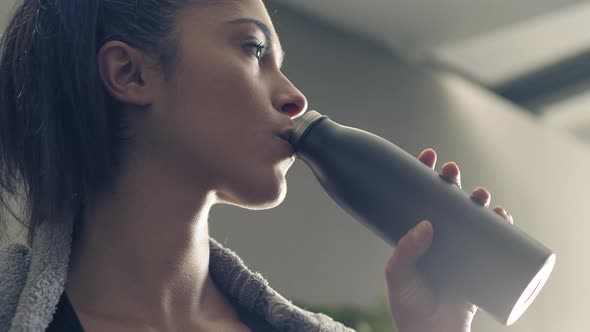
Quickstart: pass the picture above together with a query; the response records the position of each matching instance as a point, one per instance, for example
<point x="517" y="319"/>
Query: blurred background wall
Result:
<point x="416" y="74"/>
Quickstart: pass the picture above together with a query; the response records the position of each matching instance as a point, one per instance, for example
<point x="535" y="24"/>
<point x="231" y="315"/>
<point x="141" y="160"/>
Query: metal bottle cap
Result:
<point x="303" y="123"/>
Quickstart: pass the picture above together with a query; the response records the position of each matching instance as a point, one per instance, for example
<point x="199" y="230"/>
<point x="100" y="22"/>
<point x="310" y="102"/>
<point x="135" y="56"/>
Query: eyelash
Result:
<point x="259" y="47"/>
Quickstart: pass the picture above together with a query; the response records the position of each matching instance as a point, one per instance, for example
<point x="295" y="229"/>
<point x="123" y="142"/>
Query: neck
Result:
<point x="144" y="254"/>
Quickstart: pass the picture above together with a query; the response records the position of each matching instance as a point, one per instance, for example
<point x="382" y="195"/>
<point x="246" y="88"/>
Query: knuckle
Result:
<point x="389" y="268"/>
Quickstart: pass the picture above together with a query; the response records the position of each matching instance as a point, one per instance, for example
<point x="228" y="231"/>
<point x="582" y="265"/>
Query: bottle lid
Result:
<point x="303" y="123"/>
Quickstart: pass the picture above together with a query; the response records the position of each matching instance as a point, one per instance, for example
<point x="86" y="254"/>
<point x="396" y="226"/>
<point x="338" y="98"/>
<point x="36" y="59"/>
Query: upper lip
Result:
<point x="286" y="134"/>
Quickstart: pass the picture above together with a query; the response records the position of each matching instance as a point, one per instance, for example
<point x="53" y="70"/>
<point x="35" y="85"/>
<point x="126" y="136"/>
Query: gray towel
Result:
<point x="32" y="280"/>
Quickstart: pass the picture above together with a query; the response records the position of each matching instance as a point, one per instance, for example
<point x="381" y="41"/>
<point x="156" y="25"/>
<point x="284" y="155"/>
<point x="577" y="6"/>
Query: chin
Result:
<point x="267" y="197"/>
<point x="261" y="195"/>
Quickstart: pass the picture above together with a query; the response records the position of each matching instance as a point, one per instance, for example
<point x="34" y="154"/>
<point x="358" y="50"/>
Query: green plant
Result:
<point x="362" y="320"/>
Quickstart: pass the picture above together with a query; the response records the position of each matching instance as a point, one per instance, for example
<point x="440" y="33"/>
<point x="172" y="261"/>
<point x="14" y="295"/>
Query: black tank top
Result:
<point x="66" y="320"/>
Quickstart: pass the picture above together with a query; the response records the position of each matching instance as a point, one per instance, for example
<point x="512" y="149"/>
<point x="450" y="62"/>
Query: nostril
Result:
<point x="291" y="109"/>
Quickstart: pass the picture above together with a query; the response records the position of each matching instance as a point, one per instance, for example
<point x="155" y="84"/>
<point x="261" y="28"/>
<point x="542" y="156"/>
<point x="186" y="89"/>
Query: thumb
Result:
<point x="412" y="246"/>
<point x="409" y="293"/>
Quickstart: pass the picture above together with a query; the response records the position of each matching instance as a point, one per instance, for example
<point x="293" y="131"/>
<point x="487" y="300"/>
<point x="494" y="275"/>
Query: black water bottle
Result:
<point x="475" y="253"/>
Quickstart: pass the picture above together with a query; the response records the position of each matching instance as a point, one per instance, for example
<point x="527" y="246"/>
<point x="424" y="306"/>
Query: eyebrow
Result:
<point x="265" y="30"/>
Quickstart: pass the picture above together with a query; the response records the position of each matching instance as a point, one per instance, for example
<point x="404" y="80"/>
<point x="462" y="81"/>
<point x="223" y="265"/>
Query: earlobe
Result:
<point x="120" y="67"/>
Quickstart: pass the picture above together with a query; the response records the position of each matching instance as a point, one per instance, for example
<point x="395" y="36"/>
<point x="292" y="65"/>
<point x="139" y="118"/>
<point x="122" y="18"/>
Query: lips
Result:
<point x="286" y="134"/>
<point x="287" y="146"/>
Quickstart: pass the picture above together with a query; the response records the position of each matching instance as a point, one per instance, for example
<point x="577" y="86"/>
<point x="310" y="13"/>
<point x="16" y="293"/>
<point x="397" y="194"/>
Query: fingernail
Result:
<point x="510" y="217"/>
<point x="419" y="231"/>
<point x="506" y="214"/>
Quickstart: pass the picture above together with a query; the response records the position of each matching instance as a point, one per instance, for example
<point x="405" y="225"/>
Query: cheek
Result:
<point x="213" y="117"/>
<point x="228" y="95"/>
<point x="224" y="81"/>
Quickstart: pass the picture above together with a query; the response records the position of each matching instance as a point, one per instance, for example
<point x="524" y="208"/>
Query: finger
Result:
<point x="428" y="157"/>
<point x="411" y="247"/>
<point x="450" y="172"/>
<point x="481" y="196"/>
<point x="504" y="214"/>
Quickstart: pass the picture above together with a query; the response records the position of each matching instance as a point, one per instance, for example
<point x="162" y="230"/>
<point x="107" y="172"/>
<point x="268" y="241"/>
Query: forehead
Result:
<point x="210" y="18"/>
<point x="216" y="12"/>
<point x="213" y="15"/>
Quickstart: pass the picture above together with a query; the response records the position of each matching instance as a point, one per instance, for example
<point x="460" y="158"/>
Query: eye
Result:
<point x="258" y="49"/>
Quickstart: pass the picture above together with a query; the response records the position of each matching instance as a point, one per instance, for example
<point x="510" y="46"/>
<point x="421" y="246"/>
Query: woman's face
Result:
<point x="217" y="119"/>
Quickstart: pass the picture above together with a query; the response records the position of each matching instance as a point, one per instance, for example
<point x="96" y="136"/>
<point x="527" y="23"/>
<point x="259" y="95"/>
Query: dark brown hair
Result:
<point x="61" y="134"/>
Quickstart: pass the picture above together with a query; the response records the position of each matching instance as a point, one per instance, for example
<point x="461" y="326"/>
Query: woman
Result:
<point x="121" y="124"/>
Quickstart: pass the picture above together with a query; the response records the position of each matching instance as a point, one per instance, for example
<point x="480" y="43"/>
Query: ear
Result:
<point x="123" y="71"/>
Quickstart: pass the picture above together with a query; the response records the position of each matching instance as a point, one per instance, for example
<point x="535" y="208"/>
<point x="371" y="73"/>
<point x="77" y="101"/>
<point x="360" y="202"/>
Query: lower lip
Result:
<point x="287" y="148"/>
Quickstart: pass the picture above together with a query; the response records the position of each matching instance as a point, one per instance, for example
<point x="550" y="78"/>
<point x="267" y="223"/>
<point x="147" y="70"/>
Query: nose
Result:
<point x="289" y="100"/>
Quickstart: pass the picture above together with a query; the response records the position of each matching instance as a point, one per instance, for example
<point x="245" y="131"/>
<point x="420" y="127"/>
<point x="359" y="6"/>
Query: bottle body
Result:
<point x="475" y="253"/>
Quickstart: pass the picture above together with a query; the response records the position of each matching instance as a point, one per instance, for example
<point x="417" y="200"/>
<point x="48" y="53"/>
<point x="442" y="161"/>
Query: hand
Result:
<point x="414" y="305"/>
